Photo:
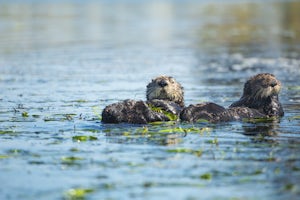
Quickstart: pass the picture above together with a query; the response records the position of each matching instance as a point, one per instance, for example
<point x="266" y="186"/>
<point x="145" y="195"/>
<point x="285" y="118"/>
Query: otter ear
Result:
<point x="149" y="84"/>
<point x="170" y="78"/>
<point x="247" y="88"/>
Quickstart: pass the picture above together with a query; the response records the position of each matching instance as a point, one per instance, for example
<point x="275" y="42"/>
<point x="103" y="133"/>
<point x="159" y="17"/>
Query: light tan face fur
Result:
<point x="263" y="86"/>
<point x="165" y="88"/>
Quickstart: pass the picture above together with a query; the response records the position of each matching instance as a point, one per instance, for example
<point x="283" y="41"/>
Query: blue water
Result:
<point x="62" y="62"/>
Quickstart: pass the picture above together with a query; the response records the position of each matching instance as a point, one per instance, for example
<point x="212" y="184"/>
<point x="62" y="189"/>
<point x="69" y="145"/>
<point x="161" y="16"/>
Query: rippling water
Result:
<point x="62" y="62"/>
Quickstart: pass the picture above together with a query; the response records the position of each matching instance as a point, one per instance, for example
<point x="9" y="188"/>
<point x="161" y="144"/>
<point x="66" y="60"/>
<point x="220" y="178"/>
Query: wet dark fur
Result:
<point x="237" y="114"/>
<point x="259" y="100"/>
<point x="207" y="111"/>
<point x="212" y="112"/>
<point x="163" y="93"/>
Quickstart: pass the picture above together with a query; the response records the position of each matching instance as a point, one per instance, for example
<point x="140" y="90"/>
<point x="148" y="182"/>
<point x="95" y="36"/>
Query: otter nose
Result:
<point x="162" y="83"/>
<point x="273" y="84"/>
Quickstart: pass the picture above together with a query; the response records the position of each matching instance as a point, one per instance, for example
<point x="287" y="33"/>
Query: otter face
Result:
<point x="262" y="86"/>
<point x="165" y="88"/>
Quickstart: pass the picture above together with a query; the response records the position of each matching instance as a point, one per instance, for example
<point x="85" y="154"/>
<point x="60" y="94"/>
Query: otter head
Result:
<point x="165" y="88"/>
<point x="262" y="86"/>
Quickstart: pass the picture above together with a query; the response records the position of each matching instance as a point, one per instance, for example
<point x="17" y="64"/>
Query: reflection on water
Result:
<point x="263" y="129"/>
<point x="61" y="62"/>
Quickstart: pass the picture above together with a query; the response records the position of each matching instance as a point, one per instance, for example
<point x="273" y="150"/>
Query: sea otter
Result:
<point x="259" y="100"/>
<point x="164" y="102"/>
<point x="261" y="93"/>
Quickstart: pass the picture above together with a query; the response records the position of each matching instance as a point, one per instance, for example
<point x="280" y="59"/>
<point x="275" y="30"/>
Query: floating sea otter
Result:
<point x="259" y="100"/>
<point x="164" y="103"/>
<point x="261" y="93"/>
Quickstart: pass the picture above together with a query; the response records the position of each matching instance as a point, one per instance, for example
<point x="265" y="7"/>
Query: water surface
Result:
<point x="62" y="62"/>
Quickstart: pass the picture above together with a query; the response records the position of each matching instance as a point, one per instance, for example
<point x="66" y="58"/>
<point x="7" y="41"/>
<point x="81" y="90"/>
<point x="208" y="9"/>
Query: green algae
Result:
<point x="36" y="162"/>
<point x="84" y="138"/>
<point x="214" y="141"/>
<point x="171" y="116"/>
<point x="290" y="187"/>
<point x="80" y="101"/>
<point x="2" y="132"/>
<point x="25" y="114"/>
<point x="60" y="117"/>
<point x="260" y="120"/>
<point x="71" y="159"/>
<point x="162" y="123"/>
<point x="74" y="150"/>
<point x="293" y="87"/>
<point x="35" y="116"/>
<point x="4" y="156"/>
<point x="206" y="176"/>
<point x="173" y="130"/>
<point x="297" y="117"/>
<point x="97" y="111"/>
<point x="186" y="150"/>
<point x="77" y="193"/>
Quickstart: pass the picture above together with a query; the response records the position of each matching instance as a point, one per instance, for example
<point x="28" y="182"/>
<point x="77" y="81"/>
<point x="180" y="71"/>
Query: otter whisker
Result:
<point x="267" y="92"/>
<point x="276" y="90"/>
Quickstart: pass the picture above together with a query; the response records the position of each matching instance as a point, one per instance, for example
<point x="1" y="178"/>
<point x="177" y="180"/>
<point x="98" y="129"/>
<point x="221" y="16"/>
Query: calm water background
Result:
<point x="62" y="62"/>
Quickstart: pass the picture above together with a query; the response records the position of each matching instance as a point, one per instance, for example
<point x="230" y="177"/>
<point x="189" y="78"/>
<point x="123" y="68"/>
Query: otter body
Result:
<point x="164" y="98"/>
<point x="214" y="113"/>
<point x="259" y="100"/>
<point x="238" y="114"/>
<point x="202" y="111"/>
